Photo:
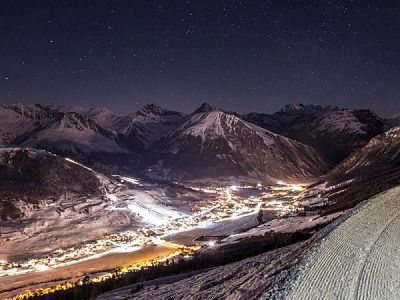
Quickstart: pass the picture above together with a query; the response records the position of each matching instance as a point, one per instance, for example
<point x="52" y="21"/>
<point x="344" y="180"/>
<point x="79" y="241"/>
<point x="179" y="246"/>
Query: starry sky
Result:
<point x="249" y="55"/>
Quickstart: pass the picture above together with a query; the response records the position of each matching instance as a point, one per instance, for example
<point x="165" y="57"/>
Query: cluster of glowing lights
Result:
<point x="228" y="206"/>
<point x="184" y="251"/>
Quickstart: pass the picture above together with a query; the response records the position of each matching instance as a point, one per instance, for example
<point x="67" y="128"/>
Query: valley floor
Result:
<point x="357" y="257"/>
<point x="360" y="259"/>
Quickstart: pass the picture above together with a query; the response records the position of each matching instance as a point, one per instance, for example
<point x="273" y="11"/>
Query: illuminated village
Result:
<point x="233" y="202"/>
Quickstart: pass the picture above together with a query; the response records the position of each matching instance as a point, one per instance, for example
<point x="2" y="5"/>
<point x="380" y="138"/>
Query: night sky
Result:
<point x="239" y="55"/>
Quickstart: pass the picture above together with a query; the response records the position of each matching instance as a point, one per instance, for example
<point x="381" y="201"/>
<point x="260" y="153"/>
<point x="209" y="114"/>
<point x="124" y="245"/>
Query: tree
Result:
<point x="260" y="217"/>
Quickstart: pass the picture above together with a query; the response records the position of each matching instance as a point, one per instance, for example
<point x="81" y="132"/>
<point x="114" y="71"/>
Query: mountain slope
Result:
<point x="152" y="122"/>
<point x="393" y="121"/>
<point x="380" y="155"/>
<point x="17" y="119"/>
<point x="334" y="132"/>
<point x="72" y="133"/>
<point x="367" y="172"/>
<point x="217" y="144"/>
<point x="32" y="175"/>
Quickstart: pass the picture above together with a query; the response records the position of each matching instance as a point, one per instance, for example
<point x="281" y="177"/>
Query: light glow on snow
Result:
<point x="79" y="164"/>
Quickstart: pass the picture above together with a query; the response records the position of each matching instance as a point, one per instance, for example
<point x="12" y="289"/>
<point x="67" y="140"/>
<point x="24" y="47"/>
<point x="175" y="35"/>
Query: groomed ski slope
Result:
<point x="360" y="259"/>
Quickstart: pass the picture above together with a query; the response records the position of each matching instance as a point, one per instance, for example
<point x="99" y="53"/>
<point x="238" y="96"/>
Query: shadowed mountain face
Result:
<point x="366" y="172"/>
<point x="207" y="143"/>
<point x="332" y="131"/>
<point x="31" y="175"/>
<point x="217" y="144"/>
<point x="380" y="156"/>
<point x="393" y="121"/>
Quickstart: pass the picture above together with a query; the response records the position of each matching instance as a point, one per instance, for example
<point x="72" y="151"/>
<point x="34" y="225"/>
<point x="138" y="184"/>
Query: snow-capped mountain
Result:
<point x="49" y="128"/>
<point x="332" y="131"/>
<point x="395" y="116"/>
<point x="217" y="144"/>
<point x="152" y="122"/>
<point x="72" y="133"/>
<point x="207" y="143"/>
<point x="17" y="119"/>
<point x="138" y="130"/>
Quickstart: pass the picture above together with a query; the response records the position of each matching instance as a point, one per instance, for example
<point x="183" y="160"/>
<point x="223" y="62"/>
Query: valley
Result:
<point x="199" y="150"/>
<point x="168" y="192"/>
<point x="154" y="220"/>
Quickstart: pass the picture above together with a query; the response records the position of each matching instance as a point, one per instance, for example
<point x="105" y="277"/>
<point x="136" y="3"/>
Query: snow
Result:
<point x="217" y="124"/>
<point x="154" y="122"/>
<point x="284" y="225"/>
<point x="13" y="124"/>
<point x="393" y="133"/>
<point x="147" y="208"/>
<point x="266" y="135"/>
<point x="205" y="125"/>
<point x="68" y="138"/>
<point x="32" y="153"/>
<point x="79" y="164"/>
<point x="148" y="124"/>
<point x="395" y="116"/>
<point x="342" y="120"/>
<point x="53" y="128"/>
<point x="357" y="260"/>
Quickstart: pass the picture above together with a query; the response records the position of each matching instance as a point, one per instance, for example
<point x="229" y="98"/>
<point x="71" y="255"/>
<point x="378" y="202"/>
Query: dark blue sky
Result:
<point x="240" y="55"/>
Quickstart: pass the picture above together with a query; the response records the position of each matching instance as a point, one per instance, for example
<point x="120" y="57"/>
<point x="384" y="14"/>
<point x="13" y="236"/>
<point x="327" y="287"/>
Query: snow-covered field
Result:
<point x="285" y="225"/>
<point x="360" y="259"/>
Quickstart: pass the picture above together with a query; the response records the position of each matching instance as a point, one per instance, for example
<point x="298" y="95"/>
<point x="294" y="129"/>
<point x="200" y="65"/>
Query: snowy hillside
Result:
<point x="214" y="144"/>
<point x="358" y="259"/>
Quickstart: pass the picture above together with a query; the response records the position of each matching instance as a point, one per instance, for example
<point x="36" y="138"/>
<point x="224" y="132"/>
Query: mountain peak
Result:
<point x="299" y="106"/>
<point x="205" y="107"/>
<point x="151" y="109"/>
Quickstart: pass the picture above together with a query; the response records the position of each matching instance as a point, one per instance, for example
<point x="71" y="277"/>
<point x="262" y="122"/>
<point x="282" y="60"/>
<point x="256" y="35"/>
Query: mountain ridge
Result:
<point x="87" y="131"/>
<point x="334" y="132"/>
<point x="219" y="144"/>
